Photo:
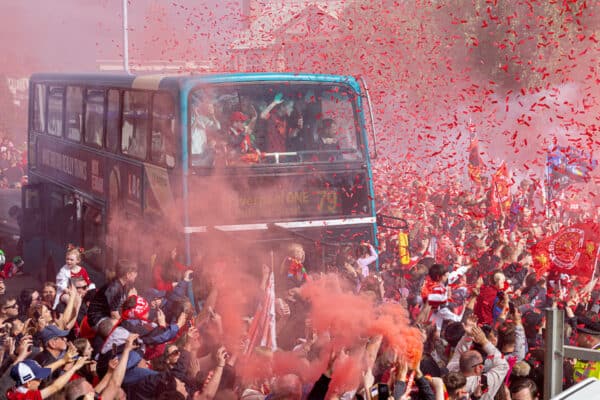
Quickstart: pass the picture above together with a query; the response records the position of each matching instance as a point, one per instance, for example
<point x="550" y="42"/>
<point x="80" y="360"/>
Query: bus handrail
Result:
<point x="370" y="107"/>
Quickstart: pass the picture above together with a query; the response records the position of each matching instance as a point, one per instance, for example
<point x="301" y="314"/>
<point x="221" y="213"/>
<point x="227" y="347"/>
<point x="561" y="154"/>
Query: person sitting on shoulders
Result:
<point x="71" y="269"/>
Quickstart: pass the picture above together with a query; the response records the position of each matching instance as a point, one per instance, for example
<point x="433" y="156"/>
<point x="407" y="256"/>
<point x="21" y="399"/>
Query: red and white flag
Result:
<point x="573" y="251"/>
<point x="262" y="328"/>
<point x="500" y="192"/>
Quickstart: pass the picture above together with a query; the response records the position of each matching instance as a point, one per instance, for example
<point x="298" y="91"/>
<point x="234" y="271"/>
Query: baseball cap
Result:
<point x="51" y="332"/>
<point x="28" y="370"/>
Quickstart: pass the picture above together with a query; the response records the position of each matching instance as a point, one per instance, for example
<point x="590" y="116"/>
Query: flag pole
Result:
<point x="546" y="191"/>
<point x="272" y="305"/>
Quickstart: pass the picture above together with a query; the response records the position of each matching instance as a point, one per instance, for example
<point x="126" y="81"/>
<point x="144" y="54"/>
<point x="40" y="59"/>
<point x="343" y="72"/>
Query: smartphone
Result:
<point x="511" y="307"/>
<point x="484" y="383"/>
<point x="374" y="392"/>
<point x="384" y="391"/>
<point x="114" y="350"/>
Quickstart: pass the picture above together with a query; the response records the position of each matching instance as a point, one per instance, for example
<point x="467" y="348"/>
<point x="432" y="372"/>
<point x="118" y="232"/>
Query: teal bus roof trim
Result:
<point x="272" y="77"/>
<point x="171" y="81"/>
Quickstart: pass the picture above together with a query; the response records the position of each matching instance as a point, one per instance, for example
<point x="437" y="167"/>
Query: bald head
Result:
<point x="287" y="387"/>
<point x="471" y="363"/>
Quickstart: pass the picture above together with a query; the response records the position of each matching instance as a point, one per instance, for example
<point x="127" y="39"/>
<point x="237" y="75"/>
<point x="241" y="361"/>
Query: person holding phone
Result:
<point x="28" y="375"/>
<point x="471" y="364"/>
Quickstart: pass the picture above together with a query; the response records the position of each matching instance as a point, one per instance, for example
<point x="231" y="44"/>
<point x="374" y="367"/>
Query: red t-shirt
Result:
<point x="82" y="274"/>
<point x="15" y="394"/>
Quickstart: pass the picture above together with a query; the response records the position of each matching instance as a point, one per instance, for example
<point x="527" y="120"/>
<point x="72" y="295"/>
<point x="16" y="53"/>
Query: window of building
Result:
<point x="94" y="117"/>
<point x="74" y="115"/>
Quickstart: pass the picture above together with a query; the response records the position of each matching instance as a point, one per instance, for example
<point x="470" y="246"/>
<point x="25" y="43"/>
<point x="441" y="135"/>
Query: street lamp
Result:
<point x="125" y="40"/>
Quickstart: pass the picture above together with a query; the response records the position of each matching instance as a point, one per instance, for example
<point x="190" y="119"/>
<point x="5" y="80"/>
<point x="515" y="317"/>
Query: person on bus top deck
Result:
<point x="277" y="115"/>
<point x="205" y="130"/>
<point x="241" y="138"/>
<point x="324" y="139"/>
<point x="71" y="270"/>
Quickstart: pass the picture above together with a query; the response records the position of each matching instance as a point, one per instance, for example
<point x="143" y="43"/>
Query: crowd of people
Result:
<point x="466" y="280"/>
<point x="13" y="163"/>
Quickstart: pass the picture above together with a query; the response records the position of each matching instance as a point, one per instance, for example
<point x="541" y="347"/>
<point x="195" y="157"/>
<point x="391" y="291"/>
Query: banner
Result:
<point x="567" y="165"/>
<point x="573" y="251"/>
<point x="262" y="328"/>
<point x="500" y="192"/>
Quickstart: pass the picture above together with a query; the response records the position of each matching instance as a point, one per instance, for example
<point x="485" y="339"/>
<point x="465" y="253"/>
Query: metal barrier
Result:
<point x="556" y="352"/>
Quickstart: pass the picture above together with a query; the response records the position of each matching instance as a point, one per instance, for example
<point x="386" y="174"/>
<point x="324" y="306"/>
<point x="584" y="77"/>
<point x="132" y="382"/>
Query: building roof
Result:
<point x="291" y="18"/>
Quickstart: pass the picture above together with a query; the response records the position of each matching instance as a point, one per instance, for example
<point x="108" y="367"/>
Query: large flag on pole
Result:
<point x="566" y="165"/>
<point x="573" y="251"/>
<point x="475" y="166"/>
<point x="500" y="192"/>
<point x="262" y="327"/>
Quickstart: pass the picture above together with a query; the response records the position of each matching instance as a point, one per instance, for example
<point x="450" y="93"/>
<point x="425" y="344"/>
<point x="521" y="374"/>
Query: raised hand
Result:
<point x="470" y="323"/>
<point x="160" y="318"/>
<point x="222" y="356"/>
<point x="71" y="353"/>
<point x="112" y="364"/>
<point x="478" y="335"/>
<point x="131" y="341"/>
<point x="81" y="361"/>
<point x="25" y="345"/>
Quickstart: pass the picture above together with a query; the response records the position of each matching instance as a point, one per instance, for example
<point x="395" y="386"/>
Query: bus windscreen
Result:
<point x="266" y="123"/>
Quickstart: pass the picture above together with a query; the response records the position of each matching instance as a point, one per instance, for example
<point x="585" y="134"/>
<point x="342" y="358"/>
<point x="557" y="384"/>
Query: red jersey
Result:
<point x="23" y="394"/>
<point x="82" y="274"/>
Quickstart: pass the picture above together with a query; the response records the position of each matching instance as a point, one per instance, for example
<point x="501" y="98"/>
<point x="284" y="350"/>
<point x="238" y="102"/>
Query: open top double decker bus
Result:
<point x="271" y="158"/>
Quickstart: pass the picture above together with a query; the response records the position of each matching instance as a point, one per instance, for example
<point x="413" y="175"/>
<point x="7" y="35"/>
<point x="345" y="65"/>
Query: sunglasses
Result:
<point x="11" y="306"/>
<point x="82" y="287"/>
<point x="174" y="353"/>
